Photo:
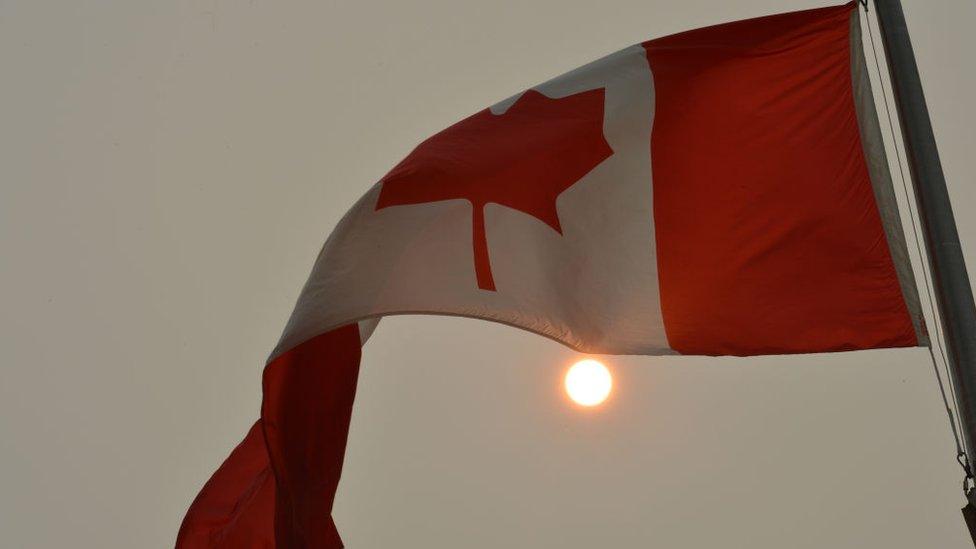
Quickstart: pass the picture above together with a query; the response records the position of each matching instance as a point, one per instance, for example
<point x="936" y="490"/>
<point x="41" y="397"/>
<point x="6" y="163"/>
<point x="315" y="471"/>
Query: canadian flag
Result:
<point x="722" y="191"/>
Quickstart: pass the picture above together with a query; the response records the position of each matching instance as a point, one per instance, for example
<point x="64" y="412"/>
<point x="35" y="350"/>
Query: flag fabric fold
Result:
<point x="722" y="191"/>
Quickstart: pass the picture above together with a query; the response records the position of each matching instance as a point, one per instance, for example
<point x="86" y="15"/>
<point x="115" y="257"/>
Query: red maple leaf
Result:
<point x="522" y="159"/>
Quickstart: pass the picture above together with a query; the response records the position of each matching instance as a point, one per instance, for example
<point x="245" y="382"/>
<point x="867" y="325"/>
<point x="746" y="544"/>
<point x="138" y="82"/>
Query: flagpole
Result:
<point x="954" y="294"/>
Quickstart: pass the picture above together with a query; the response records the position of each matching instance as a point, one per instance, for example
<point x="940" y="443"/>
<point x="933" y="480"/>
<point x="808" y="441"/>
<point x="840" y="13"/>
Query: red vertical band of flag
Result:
<point x="277" y="488"/>
<point x="308" y="398"/>
<point x="235" y="509"/>
<point x="764" y="211"/>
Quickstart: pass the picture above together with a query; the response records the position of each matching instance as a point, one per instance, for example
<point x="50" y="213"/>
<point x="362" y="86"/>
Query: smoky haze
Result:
<point x="169" y="172"/>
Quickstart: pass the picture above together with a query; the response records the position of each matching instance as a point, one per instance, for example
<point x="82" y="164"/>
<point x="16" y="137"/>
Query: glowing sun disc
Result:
<point x="588" y="382"/>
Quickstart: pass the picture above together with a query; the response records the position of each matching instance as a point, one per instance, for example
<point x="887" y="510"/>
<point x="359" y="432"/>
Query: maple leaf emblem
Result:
<point x="523" y="159"/>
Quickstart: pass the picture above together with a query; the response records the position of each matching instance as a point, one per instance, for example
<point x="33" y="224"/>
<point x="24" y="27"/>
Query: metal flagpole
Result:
<point x="953" y="291"/>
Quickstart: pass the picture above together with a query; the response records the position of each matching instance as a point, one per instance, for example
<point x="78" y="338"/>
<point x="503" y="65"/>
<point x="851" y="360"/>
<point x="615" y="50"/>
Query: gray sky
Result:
<point x="170" y="170"/>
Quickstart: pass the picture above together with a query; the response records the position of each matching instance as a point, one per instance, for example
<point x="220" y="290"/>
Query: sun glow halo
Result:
<point x="588" y="382"/>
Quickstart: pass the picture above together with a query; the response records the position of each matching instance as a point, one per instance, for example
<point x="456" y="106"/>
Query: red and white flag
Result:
<point x="722" y="191"/>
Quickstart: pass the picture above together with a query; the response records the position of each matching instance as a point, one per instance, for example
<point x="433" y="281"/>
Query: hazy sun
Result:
<point x="588" y="382"/>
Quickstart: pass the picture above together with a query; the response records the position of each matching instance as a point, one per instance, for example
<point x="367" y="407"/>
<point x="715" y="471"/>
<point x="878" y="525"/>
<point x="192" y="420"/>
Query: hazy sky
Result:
<point x="168" y="172"/>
